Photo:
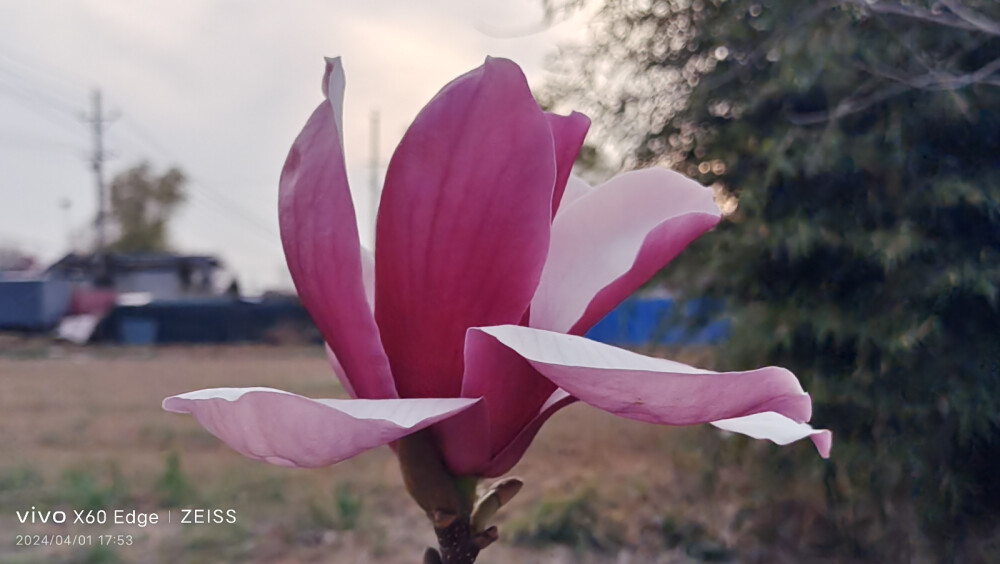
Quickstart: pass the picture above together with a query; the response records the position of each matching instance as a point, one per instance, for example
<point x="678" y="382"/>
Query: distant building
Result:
<point x="15" y="265"/>
<point x="160" y="276"/>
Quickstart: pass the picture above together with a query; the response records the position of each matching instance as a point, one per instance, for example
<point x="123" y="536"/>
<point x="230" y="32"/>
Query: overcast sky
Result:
<point x="220" y="89"/>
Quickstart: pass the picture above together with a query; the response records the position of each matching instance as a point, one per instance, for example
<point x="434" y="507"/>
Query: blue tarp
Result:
<point x="644" y="321"/>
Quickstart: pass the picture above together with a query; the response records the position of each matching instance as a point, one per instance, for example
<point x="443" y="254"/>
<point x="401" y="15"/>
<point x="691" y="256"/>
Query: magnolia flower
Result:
<point x="490" y="262"/>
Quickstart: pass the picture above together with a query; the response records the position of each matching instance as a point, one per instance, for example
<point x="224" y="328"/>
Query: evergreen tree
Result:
<point x="860" y="144"/>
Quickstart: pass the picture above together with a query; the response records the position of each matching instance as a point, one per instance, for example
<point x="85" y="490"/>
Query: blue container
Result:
<point x="33" y="305"/>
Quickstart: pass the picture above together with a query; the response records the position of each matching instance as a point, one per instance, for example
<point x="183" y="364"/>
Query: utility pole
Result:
<point x="373" y="164"/>
<point x="98" y="120"/>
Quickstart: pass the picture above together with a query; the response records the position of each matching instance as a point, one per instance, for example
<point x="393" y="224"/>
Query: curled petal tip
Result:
<point x="824" y="442"/>
<point x="778" y="429"/>
<point x="333" y="81"/>
<point x="173" y="405"/>
<point x="501" y="63"/>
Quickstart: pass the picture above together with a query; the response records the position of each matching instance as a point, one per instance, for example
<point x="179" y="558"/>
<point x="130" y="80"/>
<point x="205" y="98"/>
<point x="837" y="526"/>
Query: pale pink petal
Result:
<point x="463" y="227"/>
<point x="650" y="389"/>
<point x="505" y="459"/>
<point x="568" y="133"/>
<point x="778" y="429"/>
<point x="610" y="241"/>
<point x="291" y="430"/>
<point x="320" y="238"/>
<point x="823" y="441"/>
<point x="368" y="275"/>
<point x="576" y="188"/>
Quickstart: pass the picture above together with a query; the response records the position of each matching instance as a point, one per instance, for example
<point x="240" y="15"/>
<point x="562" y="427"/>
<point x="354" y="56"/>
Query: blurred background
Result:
<point x="853" y="145"/>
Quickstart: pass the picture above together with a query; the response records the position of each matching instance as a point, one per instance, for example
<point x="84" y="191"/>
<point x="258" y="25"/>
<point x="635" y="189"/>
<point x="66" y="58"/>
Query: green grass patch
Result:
<point x="173" y="488"/>
<point x="95" y="555"/>
<point x="342" y="511"/>
<point x="573" y="521"/>
<point x="83" y="489"/>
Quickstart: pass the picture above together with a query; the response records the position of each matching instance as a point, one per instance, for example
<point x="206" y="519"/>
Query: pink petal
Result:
<point x="513" y="391"/>
<point x="464" y="440"/>
<point x="506" y="458"/>
<point x="320" y="238"/>
<point x="291" y="430"/>
<point x="338" y="369"/>
<point x="778" y="429"/>
<point x="575" y="189"/>
<point x="650" y="389"/>
<point x="610" y="241"/>
<point x="568" y="133"/>
<point x="463" y="227"/>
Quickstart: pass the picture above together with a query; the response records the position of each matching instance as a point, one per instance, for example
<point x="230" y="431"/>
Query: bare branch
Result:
<point x="933" y="80"/>
<point x="937" y="80"/>
<point x="849" y="106"/>
<point x="948" y="20"/>
<point x="982" y="23"/>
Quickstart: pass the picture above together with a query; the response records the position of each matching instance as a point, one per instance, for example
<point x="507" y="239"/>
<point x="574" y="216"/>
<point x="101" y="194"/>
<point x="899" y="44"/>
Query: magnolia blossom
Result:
<point x="490" y="262"/>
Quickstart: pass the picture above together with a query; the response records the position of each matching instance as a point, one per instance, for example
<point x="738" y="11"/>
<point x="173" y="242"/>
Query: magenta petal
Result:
<point x="613" y="239"/>
<point x="513" y="391"/>
<point x="504" y="460"/>
<point x="463" y="226"/>
<point x="320" y="238"/>
<point x="338" y="369"/>
<point x="465" y="441"/>
<point x="568" y="132"/>
<point x="778" y="429"/>
<point x="291" y="430"/>
<point x="650" y="389"/>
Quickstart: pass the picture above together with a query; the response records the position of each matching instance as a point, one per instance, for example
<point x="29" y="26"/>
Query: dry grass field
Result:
<point x="82" y="429"/>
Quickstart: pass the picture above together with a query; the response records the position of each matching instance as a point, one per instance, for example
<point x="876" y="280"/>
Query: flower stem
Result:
<point x="447" y="500"/>
<point x="456" y="542"/>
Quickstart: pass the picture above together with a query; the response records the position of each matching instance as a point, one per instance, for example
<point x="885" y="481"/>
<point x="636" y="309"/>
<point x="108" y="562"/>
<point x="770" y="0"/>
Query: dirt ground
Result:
<point x="83" y="429"/>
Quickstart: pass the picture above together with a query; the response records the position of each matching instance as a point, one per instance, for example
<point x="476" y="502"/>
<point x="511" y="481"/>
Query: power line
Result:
<point x="35" y="98"/>
<point x="36" y="143"/>
<point x="224" y="204"/>
<point x="222" y="201"/>
<point x="41" y="69"/>
<point x="42" y="95"/>
<point x="32" y="103"/>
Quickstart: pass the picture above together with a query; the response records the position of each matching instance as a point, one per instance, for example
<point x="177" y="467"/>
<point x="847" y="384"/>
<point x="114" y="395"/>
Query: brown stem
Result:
<point x="457" y="545"/>
<point x="446" y="499"/>
<point x="457" y="541"/>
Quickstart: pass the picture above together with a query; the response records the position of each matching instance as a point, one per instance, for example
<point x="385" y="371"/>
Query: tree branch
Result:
<point x="948" y="20"/>
<point x="980" y="22"/>
<point x="932" y="80"/>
